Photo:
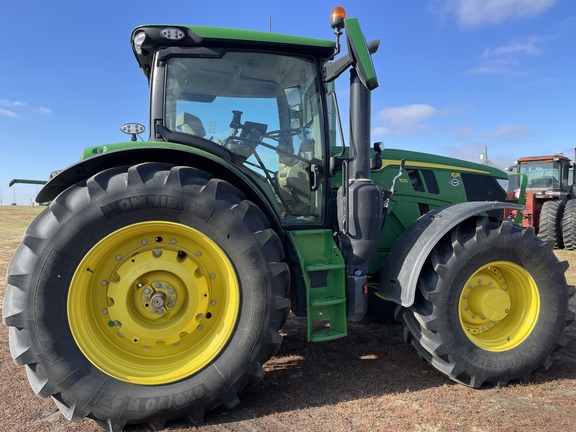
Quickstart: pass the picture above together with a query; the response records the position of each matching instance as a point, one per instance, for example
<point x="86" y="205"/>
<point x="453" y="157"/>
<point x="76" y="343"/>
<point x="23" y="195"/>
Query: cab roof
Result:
<point x="546" y="159"/>
<point x="218" y="37"/>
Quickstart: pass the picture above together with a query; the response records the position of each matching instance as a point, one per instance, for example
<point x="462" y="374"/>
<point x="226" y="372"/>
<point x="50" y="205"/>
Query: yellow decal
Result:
<point x="414" y="164"/>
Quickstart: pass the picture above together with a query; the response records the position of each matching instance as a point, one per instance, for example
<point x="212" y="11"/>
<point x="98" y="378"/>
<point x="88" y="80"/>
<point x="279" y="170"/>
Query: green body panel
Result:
<point x="448" y="181"/>
<point x="89" y="152"/>
<point x="410" y="202"/>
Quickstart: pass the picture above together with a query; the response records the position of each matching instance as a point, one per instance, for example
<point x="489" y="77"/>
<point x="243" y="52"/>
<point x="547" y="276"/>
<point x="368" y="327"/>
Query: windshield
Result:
<point x="265" y="108"/>
<point x="544" y="175"/>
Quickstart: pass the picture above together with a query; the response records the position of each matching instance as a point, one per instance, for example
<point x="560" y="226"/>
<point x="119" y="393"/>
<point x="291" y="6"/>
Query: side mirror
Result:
<point x="358" y="48"/>
<point x="298" y="102"/>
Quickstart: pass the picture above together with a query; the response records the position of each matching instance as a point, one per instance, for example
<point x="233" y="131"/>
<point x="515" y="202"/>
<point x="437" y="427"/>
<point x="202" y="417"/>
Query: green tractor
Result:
<point x="155" y="284"/>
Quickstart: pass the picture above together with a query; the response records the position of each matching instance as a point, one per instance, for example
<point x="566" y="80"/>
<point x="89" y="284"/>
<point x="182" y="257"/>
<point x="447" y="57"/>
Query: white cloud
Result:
<point x="8" y="113"/>
<point x="497" y="66"/>
<point x="463" y="132"/>
<point x="506" y="59"/>
<point x="475" y="13"/>
<point x="9" y="103"/>
<point x="43" y="110"/>
<point x="507" y="132"/>
<point x="526" y="46"/>
<point x="406" y="120"/>
<point x="15" y="108"/>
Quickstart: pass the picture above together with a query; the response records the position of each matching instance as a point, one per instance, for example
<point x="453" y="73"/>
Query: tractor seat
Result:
<point x="190" y="124"/>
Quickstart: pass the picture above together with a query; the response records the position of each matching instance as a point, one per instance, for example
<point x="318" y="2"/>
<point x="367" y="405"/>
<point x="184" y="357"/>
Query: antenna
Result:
<point x="270" y="24"/>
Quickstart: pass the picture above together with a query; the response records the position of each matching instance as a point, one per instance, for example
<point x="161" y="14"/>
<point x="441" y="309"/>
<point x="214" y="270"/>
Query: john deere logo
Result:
<point x="454" y="182"/>
<point x="455" y="175"/>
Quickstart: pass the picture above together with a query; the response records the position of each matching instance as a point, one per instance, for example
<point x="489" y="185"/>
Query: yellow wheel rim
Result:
<point x="499" y="306"/>
<point x="153" y="303"/>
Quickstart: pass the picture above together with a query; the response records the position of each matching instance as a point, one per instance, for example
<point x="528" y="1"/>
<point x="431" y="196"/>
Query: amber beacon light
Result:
<point x="337" y="18"/>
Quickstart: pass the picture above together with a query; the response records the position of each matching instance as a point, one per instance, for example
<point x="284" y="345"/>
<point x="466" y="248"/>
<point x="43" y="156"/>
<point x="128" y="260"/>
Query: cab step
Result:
<point x="324" y="273"/>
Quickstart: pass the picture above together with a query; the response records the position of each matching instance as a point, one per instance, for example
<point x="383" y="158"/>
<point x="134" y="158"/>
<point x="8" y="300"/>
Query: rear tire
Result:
<point x="144" y="294"/>
<point x="569" y="225"/>
<point x="491" y="304"/>
<point x="550" y="226"/>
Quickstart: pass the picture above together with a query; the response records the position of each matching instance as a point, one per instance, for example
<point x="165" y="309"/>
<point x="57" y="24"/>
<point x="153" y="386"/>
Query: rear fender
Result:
<point x="404" y="263"/>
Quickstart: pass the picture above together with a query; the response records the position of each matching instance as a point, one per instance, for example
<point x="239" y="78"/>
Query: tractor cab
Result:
<point x="262" y="108"/>
<point x="547" y="176"/>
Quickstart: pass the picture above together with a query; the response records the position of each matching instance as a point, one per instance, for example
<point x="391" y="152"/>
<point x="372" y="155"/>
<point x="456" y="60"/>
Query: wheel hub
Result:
<point x="487" y="301"/>
<point x="498" y="306"/>
<point x="158" y="297"/>
<point x="484" y="301"/>
<point x="158" y="300"/>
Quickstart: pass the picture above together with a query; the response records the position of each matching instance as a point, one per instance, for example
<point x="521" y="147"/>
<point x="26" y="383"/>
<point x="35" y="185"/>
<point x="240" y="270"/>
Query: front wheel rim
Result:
<point x="153" y="303"/>
<point x="499" y="306"/>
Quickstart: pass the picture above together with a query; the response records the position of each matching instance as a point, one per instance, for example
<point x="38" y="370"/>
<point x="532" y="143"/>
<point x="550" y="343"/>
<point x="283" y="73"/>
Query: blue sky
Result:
<point x="455" y="75"/>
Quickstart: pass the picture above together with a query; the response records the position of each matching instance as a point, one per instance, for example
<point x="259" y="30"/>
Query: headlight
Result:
<point x="138" y="41"/>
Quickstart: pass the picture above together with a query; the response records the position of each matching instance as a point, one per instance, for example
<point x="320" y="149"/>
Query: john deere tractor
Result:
<point x="155" y="284"/>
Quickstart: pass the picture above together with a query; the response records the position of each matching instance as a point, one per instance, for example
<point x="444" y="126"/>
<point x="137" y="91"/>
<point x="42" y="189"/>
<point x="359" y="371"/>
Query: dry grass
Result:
<point x="370" y="380"/>
<point x="570" y="256"/>
<point x="13" y="223"/>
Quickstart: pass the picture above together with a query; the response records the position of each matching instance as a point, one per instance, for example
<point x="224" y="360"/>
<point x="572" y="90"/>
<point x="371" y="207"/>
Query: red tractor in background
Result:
<point x="550" y="207"/>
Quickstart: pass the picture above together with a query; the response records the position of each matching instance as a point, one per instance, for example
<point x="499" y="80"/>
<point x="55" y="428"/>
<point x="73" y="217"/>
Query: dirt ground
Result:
<point x="369" y="381"/>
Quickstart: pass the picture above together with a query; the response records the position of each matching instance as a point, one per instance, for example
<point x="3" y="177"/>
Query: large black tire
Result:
<point x="569" y="225"/>
<point x="550" y="226"/>
<point x="491" y="304"/>
<point x="144" y="294"/>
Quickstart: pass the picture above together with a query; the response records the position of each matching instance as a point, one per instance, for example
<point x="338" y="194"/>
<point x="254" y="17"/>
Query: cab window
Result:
<point x="265" y="108"/>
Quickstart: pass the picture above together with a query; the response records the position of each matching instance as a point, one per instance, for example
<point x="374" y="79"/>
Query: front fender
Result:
<point x="404" y="263"/>
<point x="156" y="152"/>
<point x="123" y="156"/>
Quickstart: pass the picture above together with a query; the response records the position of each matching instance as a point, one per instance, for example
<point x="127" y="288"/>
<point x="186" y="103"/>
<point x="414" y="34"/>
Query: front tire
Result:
<point x="491" y="304"/>
<point x="147" y="293"/>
